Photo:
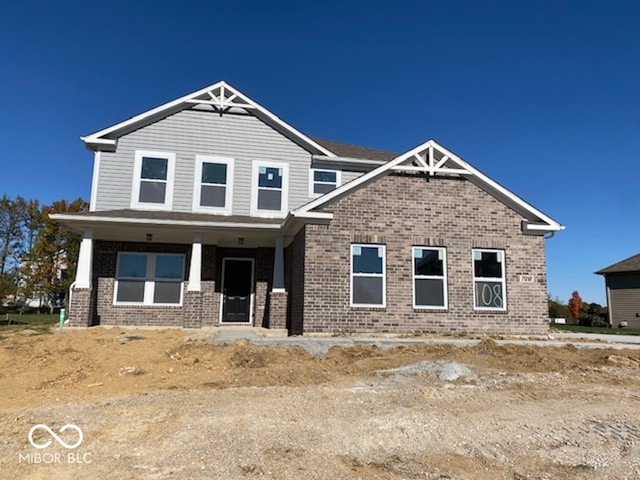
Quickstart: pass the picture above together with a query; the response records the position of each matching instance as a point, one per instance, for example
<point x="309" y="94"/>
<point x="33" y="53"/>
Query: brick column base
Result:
<point x="192" y="310"/>
<point x="80" y="308"/>
<point x="278" y="310"/>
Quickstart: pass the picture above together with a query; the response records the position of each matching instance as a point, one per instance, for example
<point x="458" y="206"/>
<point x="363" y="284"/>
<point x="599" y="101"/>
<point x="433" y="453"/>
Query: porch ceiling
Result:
<point x="171" y="227"/>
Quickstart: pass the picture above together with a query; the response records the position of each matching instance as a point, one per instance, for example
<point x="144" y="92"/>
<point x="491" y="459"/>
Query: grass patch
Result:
<point x="605" y="330"/>
<point x="28" y="319"/>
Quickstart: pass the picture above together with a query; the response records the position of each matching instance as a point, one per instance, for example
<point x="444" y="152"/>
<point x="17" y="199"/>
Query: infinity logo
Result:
<point x="57" y="438"/>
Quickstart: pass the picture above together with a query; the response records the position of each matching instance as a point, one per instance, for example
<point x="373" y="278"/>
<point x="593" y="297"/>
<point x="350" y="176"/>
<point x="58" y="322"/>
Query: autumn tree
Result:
<point x="575" y="305"/>
<point x="53" y="257"/>
<point x="11" y="241"/>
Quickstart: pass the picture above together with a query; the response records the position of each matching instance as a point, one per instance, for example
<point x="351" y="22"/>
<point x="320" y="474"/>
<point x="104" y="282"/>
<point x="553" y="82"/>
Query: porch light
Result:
<point x="240" y="240"/>
<point x="149" y="237"/>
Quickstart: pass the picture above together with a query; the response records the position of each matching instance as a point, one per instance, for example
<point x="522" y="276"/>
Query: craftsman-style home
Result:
<point x="210" y="211"/>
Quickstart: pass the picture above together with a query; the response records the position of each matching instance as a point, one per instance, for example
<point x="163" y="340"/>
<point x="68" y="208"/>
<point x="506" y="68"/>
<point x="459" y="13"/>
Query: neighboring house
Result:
<point x="622" y="281"/>
<point x="210" y="210"/>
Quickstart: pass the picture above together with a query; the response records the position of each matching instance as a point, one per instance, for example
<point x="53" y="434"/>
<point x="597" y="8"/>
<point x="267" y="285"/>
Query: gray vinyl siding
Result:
<point x="189" y="133"/>
<point x="624" y="291"/>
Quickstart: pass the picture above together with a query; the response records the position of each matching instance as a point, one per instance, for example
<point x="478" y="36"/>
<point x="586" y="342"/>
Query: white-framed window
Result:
<point x="368" y="275"/>
<point x="213" y="184"/>
<point x="489" y="290"/>
<point x="429" y="277"/>
<point x="322" y="181"/>
<point x="153" y="174"/>
<point x="269" y="189"/>
<point x="149" y="279"/>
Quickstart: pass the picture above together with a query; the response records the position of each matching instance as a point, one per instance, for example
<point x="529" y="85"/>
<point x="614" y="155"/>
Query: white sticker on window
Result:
<point x="270" y="176"/>
<point x="263" y="170"/>
<point x="499" y="257"/>
<point x="357" y="250"/>
<point x="440" y="254"/>
<point x="477" y="255"/>
<point x="380" y="255"/>
<point x="279" y="172"/>
<point x="417" y="253"/>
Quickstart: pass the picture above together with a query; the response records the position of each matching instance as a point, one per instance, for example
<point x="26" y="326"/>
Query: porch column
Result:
<point x="278" y="267"/>
<point x="195" y="268"/>
<point x="85" y="259"/>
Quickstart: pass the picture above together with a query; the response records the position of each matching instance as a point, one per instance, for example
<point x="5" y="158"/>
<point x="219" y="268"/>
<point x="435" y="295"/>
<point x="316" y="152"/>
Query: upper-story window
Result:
<point x="213" y="184"/>
<point x="269" y="188"/>
<point x="489" y="280"/>
<point x="323" y="181"/>
<point x="153" y="174"/>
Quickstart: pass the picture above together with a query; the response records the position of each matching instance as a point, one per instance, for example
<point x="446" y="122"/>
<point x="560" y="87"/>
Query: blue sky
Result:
<point x="542" y="96"/>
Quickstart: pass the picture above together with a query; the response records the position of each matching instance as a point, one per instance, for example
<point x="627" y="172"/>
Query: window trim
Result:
<point x="502" y="280"/>
<point x="149" y="280"/>
<point x="284" y="204"/>
<point x="312" y="183"/>
<point x="137" y="180"/>
<point x="197" y="184"/>
<point x="430" y="277"/>
<point x="382" y="275"/>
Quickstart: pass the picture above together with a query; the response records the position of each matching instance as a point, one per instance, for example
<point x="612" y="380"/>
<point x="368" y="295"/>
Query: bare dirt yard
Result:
<point x="169" y="404"/>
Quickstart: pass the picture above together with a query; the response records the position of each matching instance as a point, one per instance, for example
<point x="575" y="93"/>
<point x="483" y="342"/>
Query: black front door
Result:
<point x="237" y="286"/>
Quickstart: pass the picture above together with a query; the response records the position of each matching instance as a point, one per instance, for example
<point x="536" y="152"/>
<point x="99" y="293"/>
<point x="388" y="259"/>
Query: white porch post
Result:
<point x="278" y="267"/>
<point x="85" y="259"/>
<point x="195" y="268"/>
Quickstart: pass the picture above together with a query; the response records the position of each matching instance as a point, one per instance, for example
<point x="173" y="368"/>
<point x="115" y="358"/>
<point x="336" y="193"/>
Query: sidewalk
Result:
<point x="319" y="345"/>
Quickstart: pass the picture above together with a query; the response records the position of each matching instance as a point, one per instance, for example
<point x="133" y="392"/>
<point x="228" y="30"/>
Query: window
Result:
<point x="269" y="189"/>
<point x="323" y="181"/>
<point x="213" y="184"/>
<point x="153" y="180"/>
<point x="368" y="287"/>
<point x="149" y="279"/>
<point x="429" y="277"/>
<point x="488" y="280"/>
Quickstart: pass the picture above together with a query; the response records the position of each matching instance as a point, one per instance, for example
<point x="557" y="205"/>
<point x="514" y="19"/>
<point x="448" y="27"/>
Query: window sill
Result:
<point x="163" y="306"/>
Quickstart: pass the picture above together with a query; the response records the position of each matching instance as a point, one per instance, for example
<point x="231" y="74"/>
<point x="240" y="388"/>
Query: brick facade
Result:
<point x="405" y="210"/>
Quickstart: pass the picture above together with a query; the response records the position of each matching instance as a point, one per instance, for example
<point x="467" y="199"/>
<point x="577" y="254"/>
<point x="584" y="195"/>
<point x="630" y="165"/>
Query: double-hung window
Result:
<point x="368" y="283"/>
<point x="323" y="181"/>
<point x="269" y="188"/>
<point x="489" y="280"/>
<point x="213" y="184"/>
<point x="429" y="277"/>
<point x="149" y="279"/>
<point x="153" y="180"/>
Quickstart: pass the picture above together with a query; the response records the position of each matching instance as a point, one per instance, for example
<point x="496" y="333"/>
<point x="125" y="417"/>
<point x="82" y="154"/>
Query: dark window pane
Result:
<point x="487" y="266"/>
<point x="154" y="168"/>
<point x="212" y="196"/>
<point x="132" y="265"/>
<point x="428" y="261"/>
<point x="366" y="259"/>
<point x="325" y="176"/>
<point x="429" y="292"/>
<point x="214" y="173"/>
<point x="169" y="266"/>
<point x="167" y="292"/>
<point x="323" y="188"/>
<point x="367" y="291"/>
<point x="152" y="192"/>
<point x="269" y="200"/>
<point x="270" y="177"/>
<point x="130" y="291"/>
<point x="489" y="295"/>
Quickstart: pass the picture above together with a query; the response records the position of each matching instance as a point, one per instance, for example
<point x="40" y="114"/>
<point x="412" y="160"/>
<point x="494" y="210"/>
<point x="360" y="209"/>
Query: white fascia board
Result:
<point x="179" y="223"/>
<point x="95" y="138"/>
<point x="367" y="177"/>
<point x="313" y="215"/>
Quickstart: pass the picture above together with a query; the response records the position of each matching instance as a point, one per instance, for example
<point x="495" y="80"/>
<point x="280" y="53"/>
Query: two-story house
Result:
<point x="210" y="210"/>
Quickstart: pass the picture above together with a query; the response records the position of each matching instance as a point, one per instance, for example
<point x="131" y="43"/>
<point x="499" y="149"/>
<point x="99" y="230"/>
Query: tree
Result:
<point x="53" y="257"/>
<point x="11" y="219"/>
<point x="575" y="305"/>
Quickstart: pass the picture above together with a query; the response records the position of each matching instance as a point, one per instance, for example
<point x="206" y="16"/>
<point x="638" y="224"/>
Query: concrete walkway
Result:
<point x="319" y="345"/>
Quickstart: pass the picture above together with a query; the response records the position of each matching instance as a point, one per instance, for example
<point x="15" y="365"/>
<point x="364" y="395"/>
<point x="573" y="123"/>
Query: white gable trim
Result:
<point x="220" y="95"/>
<point x="424" y="155"/>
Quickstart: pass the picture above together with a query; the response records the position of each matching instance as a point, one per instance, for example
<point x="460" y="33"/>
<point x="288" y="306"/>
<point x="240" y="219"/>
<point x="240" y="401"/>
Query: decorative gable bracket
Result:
<point x="221" y="99"/>
<point x="432" y="161"/>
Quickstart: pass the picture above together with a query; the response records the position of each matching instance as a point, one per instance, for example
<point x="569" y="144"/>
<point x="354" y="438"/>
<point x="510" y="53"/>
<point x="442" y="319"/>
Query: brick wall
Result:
<point x="295" y="283"/>
<point x="403" y="210"/>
